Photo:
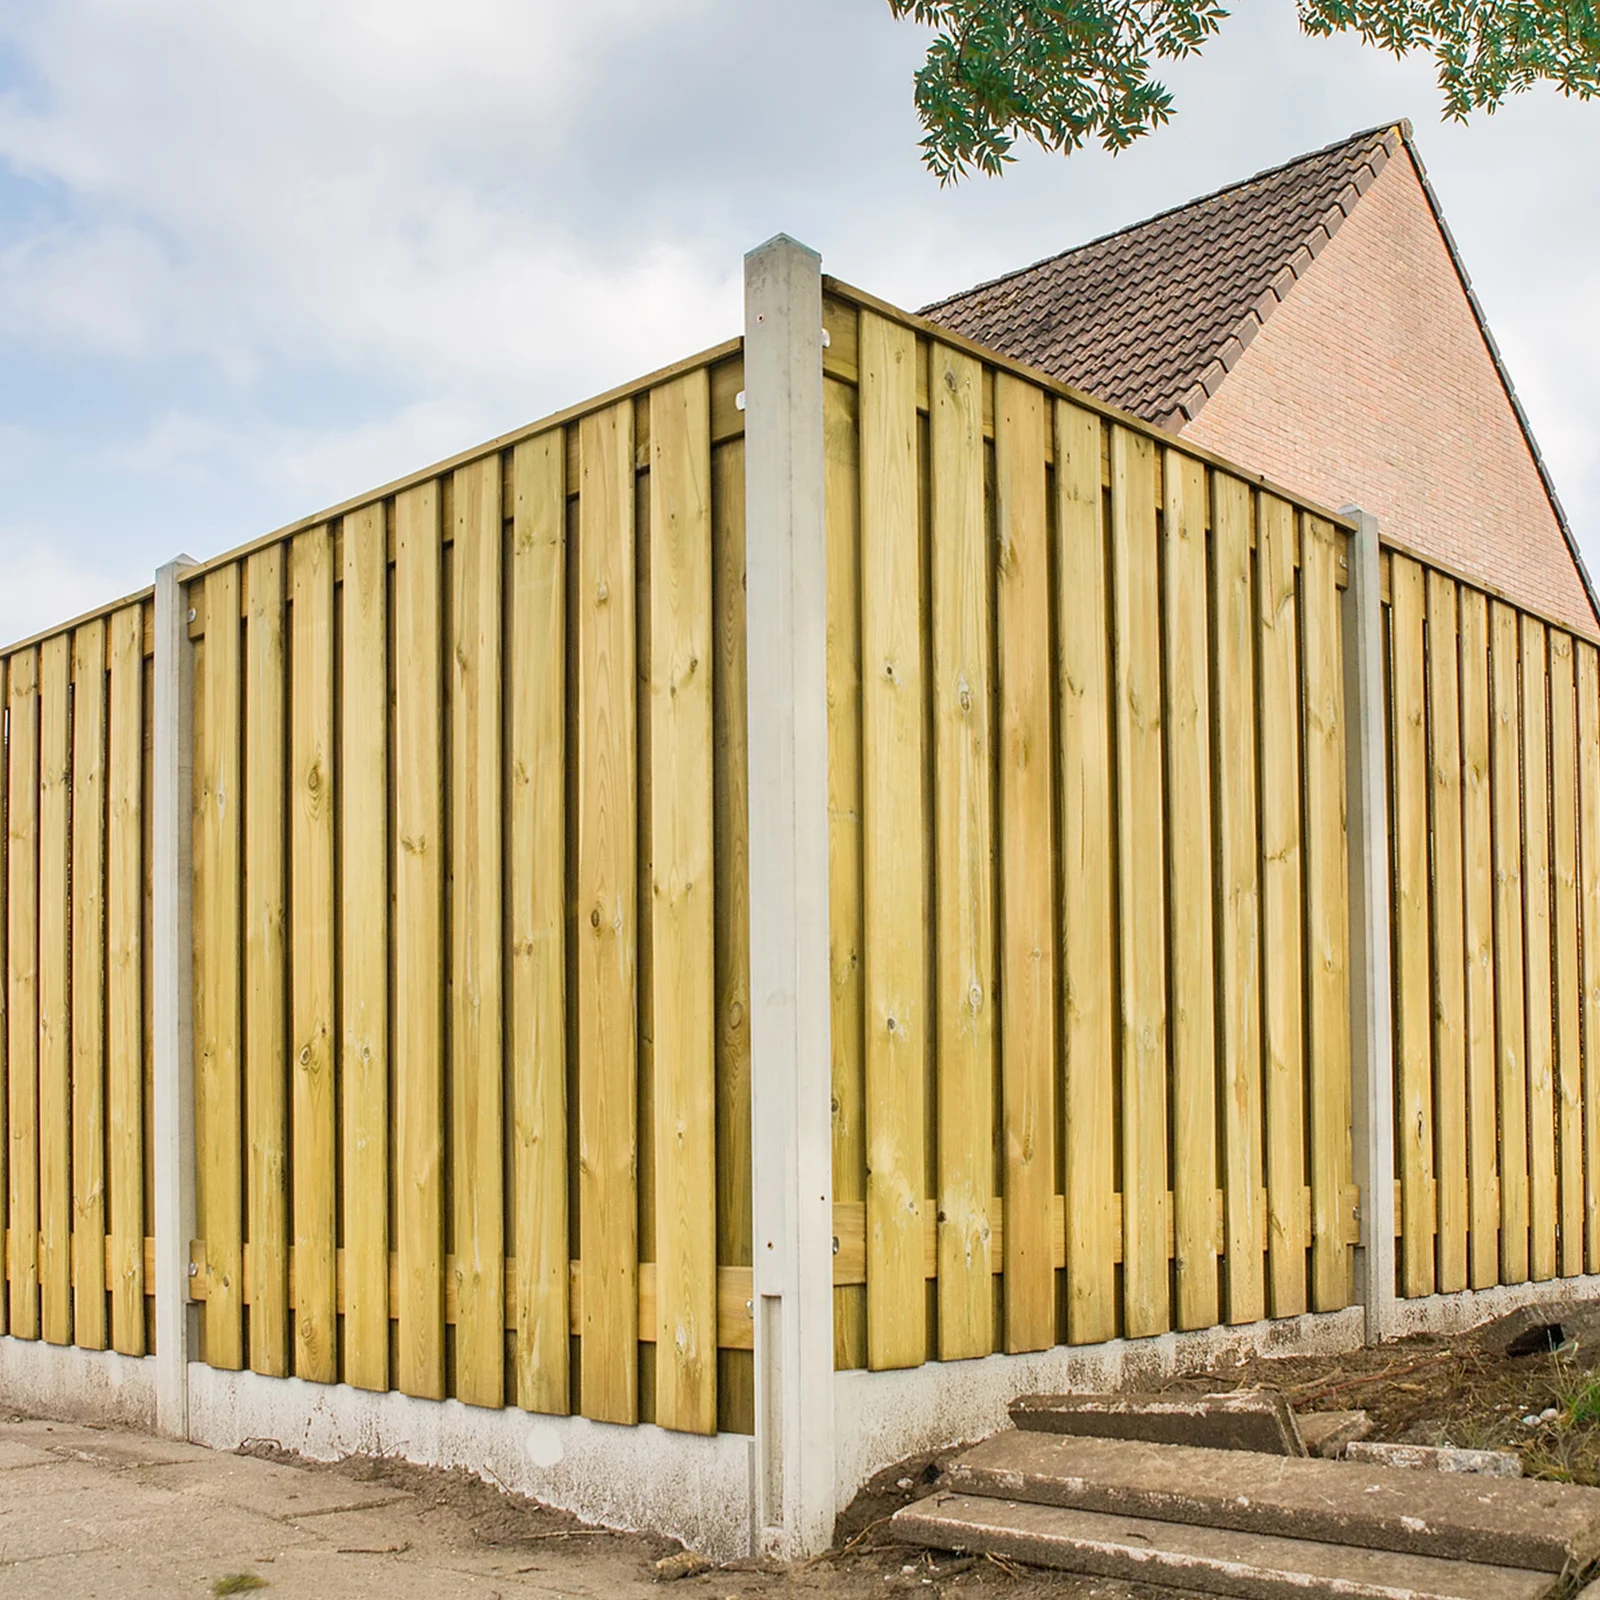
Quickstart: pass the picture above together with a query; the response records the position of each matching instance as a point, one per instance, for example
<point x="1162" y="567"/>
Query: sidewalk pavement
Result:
<point x="106" y="1514"/>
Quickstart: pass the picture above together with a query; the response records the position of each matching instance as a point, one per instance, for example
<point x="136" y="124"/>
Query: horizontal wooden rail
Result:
<point x="850" y="1233"/>
<point x="735" y="1292"/>
<point x="77" y="1280"/>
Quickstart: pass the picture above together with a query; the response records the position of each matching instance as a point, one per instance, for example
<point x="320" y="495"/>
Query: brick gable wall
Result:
<point x="1371" y="384"/>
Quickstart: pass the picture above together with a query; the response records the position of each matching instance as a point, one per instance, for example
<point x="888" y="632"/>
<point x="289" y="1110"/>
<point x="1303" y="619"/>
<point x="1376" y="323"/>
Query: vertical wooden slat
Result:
<point x="683" y="903"/>
<point x="265" y="1049"/>
<point x="1413" y="1005"/>
<point x="1564" y="864"/>
<point x="1140" y="871"/>
<point x="1588" y="691"/>
<point x="475" y="935"/>
<point x="55" y="1022"/>
<point x="363" y="941"/>
<point x="125" y="981"/>
<point x="1282" y="1040"/>
<point x="1536" y="954"/>
<point x="419" y="942"/>
<point x="1483" y="1205"/>
<point x="1327" y="917"/>
<point x="217" y="968"/>
<point x="964" y="844"/>
<point x="1448" y="931"/>
<point x="608" y="938"/>
<point x="1237" y="899"/>
<point x="1027" y="925"/>
<point x="735" y="1198"/>
<point x="22" y="966"/>
<point x="895" y="893"/>
<point x="1087" y="931"/>
<point x="88" y="985"/>
<point x="1189" y="890"/>
<point x="842" y="490"/>
<point x="7" y="1254"/>
<point x="312" y="1023"/>
<point x="536" y="999"/>
<point x="1505" y="730"/>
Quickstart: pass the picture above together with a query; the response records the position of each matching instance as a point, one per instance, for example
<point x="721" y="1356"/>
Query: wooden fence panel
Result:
<point x="75" y="1142"/>
<point x="431" y="699"/>
<point x="1155" y="859"/>
<point x="1495" y="879"/>
<point x="1588" y="692"/>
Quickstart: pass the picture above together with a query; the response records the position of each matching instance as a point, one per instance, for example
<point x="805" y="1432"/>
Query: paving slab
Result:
<point x="1250" y="1566"/>
<point x="15" y="1453"/>
<point x="1245" y="1419"/>
<point x="1436" y="1458"/>
<point x="1326" y="1433"/>
<point x="1512" y="1522"/>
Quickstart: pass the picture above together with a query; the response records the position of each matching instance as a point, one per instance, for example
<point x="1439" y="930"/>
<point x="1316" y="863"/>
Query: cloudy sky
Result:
<point x="258" y="257"/>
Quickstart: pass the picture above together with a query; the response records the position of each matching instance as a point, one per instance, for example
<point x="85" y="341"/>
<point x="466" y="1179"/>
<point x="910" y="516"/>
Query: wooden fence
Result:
<point x="75" y="1145"/>
<point x="1088" y="876"/>
<point x="470" y="949"/>
<point x="1494" y="755"/>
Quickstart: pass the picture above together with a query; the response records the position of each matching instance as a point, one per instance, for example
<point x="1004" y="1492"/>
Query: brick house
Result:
<point x="1316" y="321"/>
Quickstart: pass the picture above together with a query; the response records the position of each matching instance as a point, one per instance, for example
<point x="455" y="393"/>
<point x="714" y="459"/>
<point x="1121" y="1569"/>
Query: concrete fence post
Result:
<point x="172" y="957"/>
<point x="790" y="1044"/>
<point x="1371" y="1031"/>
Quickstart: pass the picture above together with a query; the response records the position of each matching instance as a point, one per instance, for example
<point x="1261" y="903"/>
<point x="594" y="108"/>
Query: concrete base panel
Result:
<point x="683" y="1485"/>
<point x="61" y="1381"/>
<point x="882" y="1417"/>
<point x="1456" y="1313"/>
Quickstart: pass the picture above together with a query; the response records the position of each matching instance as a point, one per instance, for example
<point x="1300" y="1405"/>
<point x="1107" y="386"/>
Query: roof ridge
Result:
<point x="1400" y="125"/>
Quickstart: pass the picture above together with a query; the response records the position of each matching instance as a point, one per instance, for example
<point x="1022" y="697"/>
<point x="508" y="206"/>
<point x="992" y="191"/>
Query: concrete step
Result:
<point x="1246" y="1419"/>
<point x="1508" y="1522"/>
<point x="1251" y="1566"/>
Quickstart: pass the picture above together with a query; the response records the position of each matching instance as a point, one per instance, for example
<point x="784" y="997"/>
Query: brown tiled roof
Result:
<point x="1151" y="318"/>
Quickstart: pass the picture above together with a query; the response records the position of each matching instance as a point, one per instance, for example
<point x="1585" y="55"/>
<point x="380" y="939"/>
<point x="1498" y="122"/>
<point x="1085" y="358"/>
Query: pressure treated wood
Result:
<point x="895" y="891"/>
<point x="1449" y="933"/>
<point x="842" y="520"/>
<point x="22" y="1011"/>
<point x="1282" y="1039"/>
<point x="607" y="954"/>
<point x="683" y="905"/>
<point x="312" y="1023"/>
<point x="419" y="943"/>
<point x="1505" y="730"/>
<point x="1538" y="967"/>
<point x="364" y="899"/>
<point x="265" y="1045"/>
<point x="1483" y="1204"/>
<point x="218" y="966"/>
<point x="1028" y="1070"/>
<point x="964" y="991"/>
<point x="1588" y="693"/>
<point x="1087" y="877"/>
<point x="88" y="985"/>
<point x="1238" y="1007"/>
<point x="125" y="975"/>
<point x="1413" y="999"/>
<point x="1191" y="983"/>
<point x="55" y="1018"/>
<point x="1136" y="656"/>
<point x="1327" y="917"/>
<point x="1564" y="889"/>
<point x="736" y="1397"/>
<point x="476" y="962"/>
<point x="536" y="917"/>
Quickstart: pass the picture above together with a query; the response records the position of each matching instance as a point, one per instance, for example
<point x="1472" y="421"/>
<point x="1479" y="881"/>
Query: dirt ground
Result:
<point x="98" y="1512"/>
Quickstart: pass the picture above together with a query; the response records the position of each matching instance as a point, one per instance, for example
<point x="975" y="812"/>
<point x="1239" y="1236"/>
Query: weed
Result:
<point x="238" y="1583"/>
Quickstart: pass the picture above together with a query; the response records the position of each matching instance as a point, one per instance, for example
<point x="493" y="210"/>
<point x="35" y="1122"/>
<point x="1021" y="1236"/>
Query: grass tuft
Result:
<point x="238" y="1583"/>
